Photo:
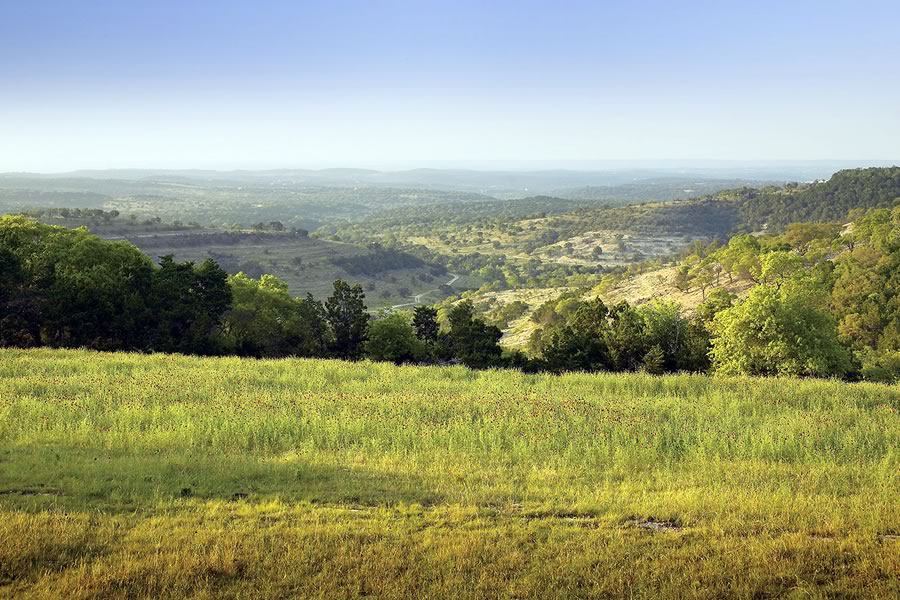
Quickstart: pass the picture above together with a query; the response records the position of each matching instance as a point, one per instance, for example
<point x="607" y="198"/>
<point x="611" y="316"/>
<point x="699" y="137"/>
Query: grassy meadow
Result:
<point x="125" y="475"/>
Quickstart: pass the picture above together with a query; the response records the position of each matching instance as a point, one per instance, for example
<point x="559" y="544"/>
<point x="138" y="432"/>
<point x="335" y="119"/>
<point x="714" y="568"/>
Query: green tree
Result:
<point x="392" y="338"/>
<point x="346" y="313"/>
<point x="718" y="300"/>
<point x="625" y="338"/>
<point x="265" y="321"/>
<point x="189" y="303"/>
<point x="682" y="279"/>
<point x="316" y="336"/>
<point x="775" y="332"/>
<point x="580" y="344"/>
<point x="801" y="236"/>
<point x="776" y="267"/>
<point x="740" y="258"/>
<point x="676" y="342"/>
<point x="703" y="275"/>
<point x="426" y="324"/>
<point x="73" y="289"/>
<point x="20" y="320"/>
<point x="470" y="340"/>
<point x="654" y="361"/>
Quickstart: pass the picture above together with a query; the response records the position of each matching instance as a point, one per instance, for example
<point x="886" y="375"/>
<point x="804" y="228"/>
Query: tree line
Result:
<point x="825" y="301"/>
<point x="67" y="288"/>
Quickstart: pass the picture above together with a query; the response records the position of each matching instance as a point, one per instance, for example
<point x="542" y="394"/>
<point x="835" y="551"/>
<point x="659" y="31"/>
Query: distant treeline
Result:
<point x="714" y="216"/>
<point x="378" y="260"/>
<point x="829" y="200"/>
<point x="218" y="238"/>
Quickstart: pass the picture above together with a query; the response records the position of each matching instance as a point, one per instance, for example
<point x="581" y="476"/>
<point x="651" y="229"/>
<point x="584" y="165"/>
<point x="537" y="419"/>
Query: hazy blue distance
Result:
<point x="203" y="84"/>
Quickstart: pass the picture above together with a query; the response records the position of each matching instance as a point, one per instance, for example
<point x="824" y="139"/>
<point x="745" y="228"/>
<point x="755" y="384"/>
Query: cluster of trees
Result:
<point x="279" y="227"/>
<point x="501" y="273"/>
<point x="110" y="221"/>
<point x="502" y="314"/>
<point x="216" y="238"/>
<point x="464" y="338"/>
<point x="824" y="300"/>
<point x="378" y="260"/>
<point x="265" y="321"/>
<point x="270" y="226"/>
<point x="74" y="213"/>
<point x="68" y="288"/>
<point x="709" y="217"/>
<point x="589" y="336"/>
<point x="849" y="276"/>
<point x="450" y="217"/>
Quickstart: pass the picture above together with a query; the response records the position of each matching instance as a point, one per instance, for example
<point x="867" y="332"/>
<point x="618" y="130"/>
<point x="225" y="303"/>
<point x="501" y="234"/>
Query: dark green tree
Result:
<point x="581" y="345"/>
<point x="189" y="304"/>
<point x="425" y="323"/>
<point x="346" y="313"/>
<point x="470" y="340"/>
<point x="625" y="338"/>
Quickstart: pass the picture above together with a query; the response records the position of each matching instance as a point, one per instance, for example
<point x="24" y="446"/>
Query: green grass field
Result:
<point x="124" y="475"/>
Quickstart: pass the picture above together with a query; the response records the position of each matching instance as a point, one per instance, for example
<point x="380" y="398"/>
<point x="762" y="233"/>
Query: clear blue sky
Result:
<point x="218" y="84"/>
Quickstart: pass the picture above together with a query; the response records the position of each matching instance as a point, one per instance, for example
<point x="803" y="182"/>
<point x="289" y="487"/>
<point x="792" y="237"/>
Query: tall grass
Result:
<point x="192" y="440"/>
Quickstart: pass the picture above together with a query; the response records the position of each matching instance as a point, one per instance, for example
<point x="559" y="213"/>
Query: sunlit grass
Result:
<point x="164" y="475"/>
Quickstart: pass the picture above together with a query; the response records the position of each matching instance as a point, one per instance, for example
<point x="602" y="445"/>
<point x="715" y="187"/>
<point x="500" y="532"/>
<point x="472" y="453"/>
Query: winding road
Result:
<point x="418" y="297"/>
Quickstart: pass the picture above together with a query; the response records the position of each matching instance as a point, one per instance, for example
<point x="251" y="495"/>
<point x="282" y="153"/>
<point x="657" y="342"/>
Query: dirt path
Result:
<point x="417" y="299"/>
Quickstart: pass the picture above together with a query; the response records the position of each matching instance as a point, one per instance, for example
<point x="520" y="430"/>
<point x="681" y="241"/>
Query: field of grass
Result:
<point x="160" y="476"/>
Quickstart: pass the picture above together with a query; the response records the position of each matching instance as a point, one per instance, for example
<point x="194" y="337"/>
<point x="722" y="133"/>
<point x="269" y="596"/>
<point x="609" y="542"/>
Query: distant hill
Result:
<point x="744" y="209"/>
<point x="823" y="201"/>
<point x="661" y="189"/>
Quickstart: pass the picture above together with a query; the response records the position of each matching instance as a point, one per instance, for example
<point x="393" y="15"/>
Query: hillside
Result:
<point x="167" y="476"/>
<point x="534" y="241"/>
<point x="306" y="264"/>
<point x="744" y="209"/>
<point x="831" y="200"/>
<point x="546" y="242"/>
<point x="657" y="284"/>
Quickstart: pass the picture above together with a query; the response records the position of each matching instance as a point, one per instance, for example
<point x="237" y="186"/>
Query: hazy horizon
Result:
<point x="500" y="166"/>
<point x="220" y="85"/>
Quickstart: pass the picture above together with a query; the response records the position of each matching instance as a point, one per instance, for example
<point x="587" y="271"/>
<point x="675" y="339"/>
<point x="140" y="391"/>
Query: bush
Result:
<point x="881" y="367"/>
<point x="393" y="339"/>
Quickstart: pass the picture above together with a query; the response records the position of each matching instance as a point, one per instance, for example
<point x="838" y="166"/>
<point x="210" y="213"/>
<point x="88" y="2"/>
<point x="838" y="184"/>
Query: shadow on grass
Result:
<point x="89" y="479"/>
<point x="47" y="554"/>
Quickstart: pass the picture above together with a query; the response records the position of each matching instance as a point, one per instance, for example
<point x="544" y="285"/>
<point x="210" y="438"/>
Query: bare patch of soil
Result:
<point x="652" y="524"/>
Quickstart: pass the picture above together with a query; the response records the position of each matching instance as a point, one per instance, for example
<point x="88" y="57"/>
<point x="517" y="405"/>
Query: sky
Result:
<point x="280" y="84"/>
